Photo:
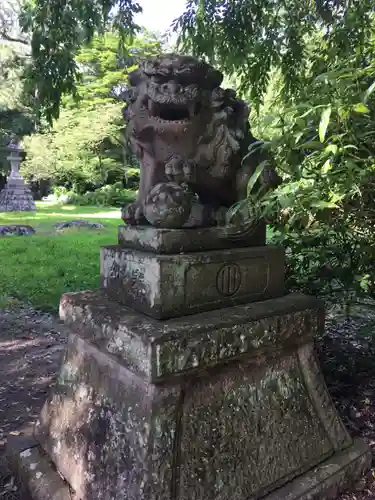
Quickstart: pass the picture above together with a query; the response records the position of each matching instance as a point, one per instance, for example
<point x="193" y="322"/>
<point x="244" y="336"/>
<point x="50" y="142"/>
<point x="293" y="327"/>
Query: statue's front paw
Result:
<point x="180" y="170"/>
<point x="133" y="215"/>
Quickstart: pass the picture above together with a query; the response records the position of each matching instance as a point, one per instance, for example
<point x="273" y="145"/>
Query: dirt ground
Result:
<point x="31" y="345"/>
<point x="30" y="350"/>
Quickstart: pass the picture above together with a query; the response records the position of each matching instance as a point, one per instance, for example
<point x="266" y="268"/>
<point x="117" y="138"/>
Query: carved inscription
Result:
<point x="228" y="280"/>
<point x="211" y="281"/>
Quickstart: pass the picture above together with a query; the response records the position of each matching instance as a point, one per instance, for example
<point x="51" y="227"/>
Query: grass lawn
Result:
<point x="38" y="269"/>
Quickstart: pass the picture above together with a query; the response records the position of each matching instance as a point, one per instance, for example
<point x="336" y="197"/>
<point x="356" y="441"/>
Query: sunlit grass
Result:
<point x="38" y="269"/>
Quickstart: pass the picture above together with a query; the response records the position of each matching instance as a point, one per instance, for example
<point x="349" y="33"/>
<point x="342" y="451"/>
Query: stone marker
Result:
<point x="16" y="195"/>
<point x="189" y="375"/>
<point x="16" y="230"/>
<point x="60" y="226"/>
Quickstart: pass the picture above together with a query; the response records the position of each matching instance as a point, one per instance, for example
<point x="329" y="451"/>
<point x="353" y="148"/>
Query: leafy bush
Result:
<point x="324" y="213"/>
<point x="132" y="178"/>
<point x="111" y="195"/>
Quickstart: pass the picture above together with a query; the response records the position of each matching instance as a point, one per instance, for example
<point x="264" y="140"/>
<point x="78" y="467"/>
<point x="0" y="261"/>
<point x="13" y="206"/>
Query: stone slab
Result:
<point x="240" y="432"/>
<point x="16" y="229"/>
<point x="36" y="475"/>
<point x="169" y="241"/>
<point x="166" y="286"/>
<point x="330" y="478"/>
<point x="157" y="350"/>
<point x="324" y="482"/>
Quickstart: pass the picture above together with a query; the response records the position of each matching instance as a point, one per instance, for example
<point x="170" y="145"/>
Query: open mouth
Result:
<point x="170" y="112"/>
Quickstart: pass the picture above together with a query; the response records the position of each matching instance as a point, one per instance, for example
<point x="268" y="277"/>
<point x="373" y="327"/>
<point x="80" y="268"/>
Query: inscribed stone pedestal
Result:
<point x="165" y="286"/>
<point x="223" y="404"/>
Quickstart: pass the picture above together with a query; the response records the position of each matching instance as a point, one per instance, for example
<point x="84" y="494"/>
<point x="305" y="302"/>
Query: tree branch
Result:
<point x="9" y="38"/>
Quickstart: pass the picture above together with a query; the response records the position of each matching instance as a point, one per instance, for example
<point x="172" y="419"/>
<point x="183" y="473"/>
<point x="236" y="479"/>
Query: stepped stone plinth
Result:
<point x="16" y="195"/>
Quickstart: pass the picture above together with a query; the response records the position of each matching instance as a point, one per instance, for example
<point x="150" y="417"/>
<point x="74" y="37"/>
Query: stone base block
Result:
<point x="37" y="477"/>
<point x="169" y="241"/>
<point x="223" y="405"/>
<point x="166" y="286"/>
<point x="324" y="482"/>
<point x="330" y="478"/>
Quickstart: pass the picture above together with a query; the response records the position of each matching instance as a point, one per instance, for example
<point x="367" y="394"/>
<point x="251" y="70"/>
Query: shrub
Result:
<point x="324" y="213"/>
<point x="114" y="195"/>
<point x="132" y="178"/>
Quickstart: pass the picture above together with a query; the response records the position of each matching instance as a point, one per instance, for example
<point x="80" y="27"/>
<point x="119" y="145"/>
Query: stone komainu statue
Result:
<point x="190" y="136"/>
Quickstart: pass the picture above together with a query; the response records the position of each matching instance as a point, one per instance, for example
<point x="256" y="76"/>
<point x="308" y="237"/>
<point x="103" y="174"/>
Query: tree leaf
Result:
<point x="253" y="179"/>
<point x="311" y="145"/>
<point x="331" y="148"/>
<point x="326" y="167"/>
<point x="324" y="204"/>
<point x="361" y="108"/>
<point x="324" y="121"/>
<point x="369" y="91"/>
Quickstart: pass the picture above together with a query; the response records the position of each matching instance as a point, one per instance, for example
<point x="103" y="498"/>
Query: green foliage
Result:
<point x="249" y="38"/>
<point x="75" y="151"/>
<point x="59" y="28"/>
<point x="104" y="66"/>
<point x="246" y="38"/>
<point x="15" y="116"/>
<point x="86" y="148"/>
<point x="324" y="146"/>
<point x="114" y="195"/>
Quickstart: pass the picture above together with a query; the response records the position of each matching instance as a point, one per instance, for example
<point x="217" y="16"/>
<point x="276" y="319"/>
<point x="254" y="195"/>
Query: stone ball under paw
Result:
<point x="168" y="205"/>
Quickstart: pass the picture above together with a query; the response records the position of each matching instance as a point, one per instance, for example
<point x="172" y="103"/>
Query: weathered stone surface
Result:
<point x="34" y="471"/>
<point x="110" y="434"/>
<point x="324" y="482"/>
<point x="320" y="397"/>
<point x="60" y="226"/>
<point x="160" y="349"/>
<point x="330" y="478"/>
<point x="223" y="404"/>
<point x="169" y="241"/>
<point x="239" y="432"/>
<point x="165" y="286"/>
<point x="248" y="430"/>
<point x="16" y="196"/>
<point x="17" y="230"/>
<point x="191" y="138"/>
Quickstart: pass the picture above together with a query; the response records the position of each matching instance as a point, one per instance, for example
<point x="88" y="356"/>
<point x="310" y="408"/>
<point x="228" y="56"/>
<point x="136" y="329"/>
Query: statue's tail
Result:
<point x="242" y="221"/>
<point x="238" y="233"/>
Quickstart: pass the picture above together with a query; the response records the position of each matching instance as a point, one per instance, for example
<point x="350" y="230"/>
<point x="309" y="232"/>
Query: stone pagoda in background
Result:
<point x="16" y="196"/>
